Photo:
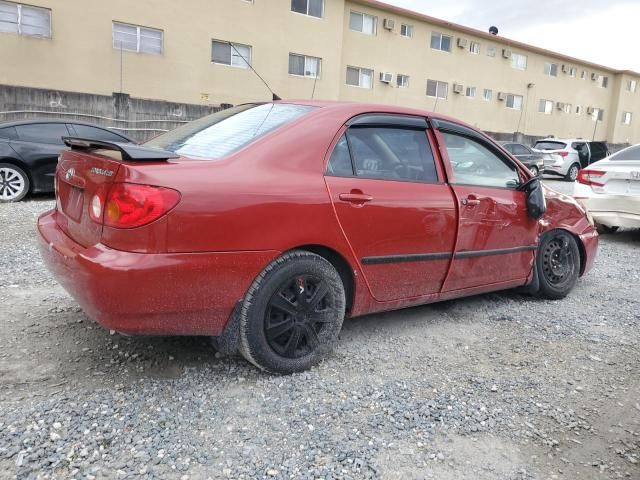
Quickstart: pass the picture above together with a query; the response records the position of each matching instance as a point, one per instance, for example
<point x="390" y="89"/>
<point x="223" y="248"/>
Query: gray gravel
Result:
<point x="500" y="386"/>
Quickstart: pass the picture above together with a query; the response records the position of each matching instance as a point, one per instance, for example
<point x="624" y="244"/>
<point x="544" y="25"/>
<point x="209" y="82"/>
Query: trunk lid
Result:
<point x="621" y="178"/>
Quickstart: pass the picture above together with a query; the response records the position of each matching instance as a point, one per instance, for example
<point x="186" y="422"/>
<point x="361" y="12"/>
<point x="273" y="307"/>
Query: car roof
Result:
<point x="31" y="121"/>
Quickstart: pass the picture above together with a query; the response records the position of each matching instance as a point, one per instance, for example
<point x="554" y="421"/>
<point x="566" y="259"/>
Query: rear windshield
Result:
<point x="550" y="145"/>
<point x="223" y="133"/>
<point x="631" y="153"/>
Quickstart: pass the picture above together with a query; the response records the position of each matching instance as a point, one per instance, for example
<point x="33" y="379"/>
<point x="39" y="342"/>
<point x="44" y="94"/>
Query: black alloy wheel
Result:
<point x="558" y="264"/>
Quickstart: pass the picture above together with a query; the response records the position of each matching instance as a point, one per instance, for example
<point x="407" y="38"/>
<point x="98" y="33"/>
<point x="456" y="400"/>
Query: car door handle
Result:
<point x="355" y="197"/>
<point x="471" y="201"/>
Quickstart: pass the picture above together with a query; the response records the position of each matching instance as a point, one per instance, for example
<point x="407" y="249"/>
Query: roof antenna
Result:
<point x="274" y="97"/>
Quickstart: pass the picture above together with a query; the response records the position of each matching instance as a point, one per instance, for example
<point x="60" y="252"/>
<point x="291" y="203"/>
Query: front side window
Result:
<point x="313" y="8"/>
<point x="546" y="107"/>
<point x="361" y="22"/>
<point x="440" y="41"/>
<point x="134" y="38"/>
<point x="514" y="101"/>
<point x="43" y="133"/>
<point x="385" y="154"/>
<point x="360" y="77"/>
<point x="232" y="54"/>
<point x="487" y="95"/>
<point x="437" y="89"/>
<point x="304" y="65"/>
<point x="25" y="20"/>
<point x="518" y="61"/>
<point x="406" y="30"/>
<point x="223" y="133"/>
<point x="551" y="69"/>
<point x="474" y="164"/>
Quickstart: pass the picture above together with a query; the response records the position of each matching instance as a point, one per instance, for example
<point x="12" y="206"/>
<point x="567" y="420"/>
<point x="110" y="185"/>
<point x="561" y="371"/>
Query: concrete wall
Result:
<point x="140" y="119"/>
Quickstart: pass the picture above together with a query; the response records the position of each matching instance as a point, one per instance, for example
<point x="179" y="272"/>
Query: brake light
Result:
<point x="129" y="205"/>
<point x="589" y="177"/>
<point x="562" y="153"/>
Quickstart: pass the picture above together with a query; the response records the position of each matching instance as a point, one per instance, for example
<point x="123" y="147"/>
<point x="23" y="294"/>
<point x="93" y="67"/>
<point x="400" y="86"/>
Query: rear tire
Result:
<point x="14" y="183"/>
<point x="572" y="173"/>
<point x="557" y="264"/>
<point x="292" y="314"/>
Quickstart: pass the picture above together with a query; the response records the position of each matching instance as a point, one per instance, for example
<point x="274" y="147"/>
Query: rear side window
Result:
<point x="520" y="150"/>
<point x="8" y="133"/>
<point x="94" y="133"/>
<point x="628" y="154"/>
<point x="43" y="133"/>
<point x="508" y="147"/>
<point x="223" y="133"/>
<point x="551" y="145"/>
<point x="384" y="154"/>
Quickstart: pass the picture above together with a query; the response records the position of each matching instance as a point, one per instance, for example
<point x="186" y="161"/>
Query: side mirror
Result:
<point x="536" y="203"/>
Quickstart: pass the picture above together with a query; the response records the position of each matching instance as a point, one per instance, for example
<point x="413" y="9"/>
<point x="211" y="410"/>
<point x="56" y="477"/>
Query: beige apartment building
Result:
<point x="199" y="52"/>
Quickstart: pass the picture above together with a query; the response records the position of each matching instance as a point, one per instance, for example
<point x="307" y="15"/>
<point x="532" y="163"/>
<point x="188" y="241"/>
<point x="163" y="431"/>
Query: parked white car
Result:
<point x="610" y="190"/>
<point x="571" y="154"/>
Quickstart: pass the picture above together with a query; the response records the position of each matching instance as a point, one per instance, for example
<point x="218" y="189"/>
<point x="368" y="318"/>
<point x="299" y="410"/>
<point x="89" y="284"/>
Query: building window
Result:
<point x="402" y="81"/>
<point x="545" y="106"/>
<point x="361" y="22"/>
<point x="583" y="75"/>
<point x="578" y="110"/>
<point x="406" y="30"/>
<point x="518" y="61"/>
<point x="572" y="71"/>
<point x="487" y="95"/>
<point x="441" y="42"/>
<point x="313" y="8"/>
<point x="631" y="86"/>
<point x="25" y="20"/>
<point x="491" y="51"/>
<point x="597" y="114"/>
<point x="551" y="69"/>
<point x="626" y="118"/>
<point x="603" y="82"/>
<point x="566" y="107"/>
<point x="134" y="38"/>
<point x="360" y="77"/>
<point x="232" y="54"/>
<point x="474" y="48"/>
<point x="437" y="89"/>
<point x="514" y="101"/>
<point x="470" y="92"/>
<point x="304" y="66"/>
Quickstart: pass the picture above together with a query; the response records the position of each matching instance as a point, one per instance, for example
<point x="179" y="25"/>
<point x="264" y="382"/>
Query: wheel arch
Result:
<point x="581" y="247"/>
<point x="341" y="265"/>
<point x="21" y="165"/>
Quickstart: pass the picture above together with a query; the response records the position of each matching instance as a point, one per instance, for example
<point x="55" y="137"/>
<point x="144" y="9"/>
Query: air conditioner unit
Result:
<point x="560" y="105"/>
<point x="506" y="53"/>
<point x="458" y="88"/>
<point x="590" y="111"/>
<point x="386" y="77"/>
<point x="502" y="96"/>
<point x="462" y="42"/>
<point x="389" y="24"/>
<point x="565" y="69"/>
<point x="594" y="76"/>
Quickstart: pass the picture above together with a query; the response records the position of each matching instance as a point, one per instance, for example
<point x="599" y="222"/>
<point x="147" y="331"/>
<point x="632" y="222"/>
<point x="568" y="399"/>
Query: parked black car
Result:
<point x="29" y="152"/>
<point x="534" y="161"/>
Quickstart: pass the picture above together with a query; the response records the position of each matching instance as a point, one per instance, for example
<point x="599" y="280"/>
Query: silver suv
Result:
<point x="571" y="155"/>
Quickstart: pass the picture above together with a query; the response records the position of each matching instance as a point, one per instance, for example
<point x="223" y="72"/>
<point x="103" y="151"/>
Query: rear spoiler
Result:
<point x="129" y="151"/>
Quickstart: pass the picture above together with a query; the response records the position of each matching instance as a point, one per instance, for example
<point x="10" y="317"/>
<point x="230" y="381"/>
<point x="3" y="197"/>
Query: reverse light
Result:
<point x="590" y="177"/>
<point x="130" y="205"/>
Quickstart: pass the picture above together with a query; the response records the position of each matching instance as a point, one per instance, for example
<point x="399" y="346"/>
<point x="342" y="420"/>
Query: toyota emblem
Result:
<point x="70" y="173"/>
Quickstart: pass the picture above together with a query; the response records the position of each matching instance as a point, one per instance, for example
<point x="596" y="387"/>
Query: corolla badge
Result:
<point x="70" y="173"/>
<point x="102" y="171"/>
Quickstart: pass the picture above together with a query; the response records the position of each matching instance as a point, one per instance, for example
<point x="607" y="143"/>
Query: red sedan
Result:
<point x="266" y="224"/>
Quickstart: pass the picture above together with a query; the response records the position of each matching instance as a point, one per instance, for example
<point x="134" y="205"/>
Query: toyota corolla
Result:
<point x="265" y="225"/>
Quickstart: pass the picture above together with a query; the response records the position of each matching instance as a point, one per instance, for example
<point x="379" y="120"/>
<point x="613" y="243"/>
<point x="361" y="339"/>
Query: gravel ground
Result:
<point x="499" y="386"/>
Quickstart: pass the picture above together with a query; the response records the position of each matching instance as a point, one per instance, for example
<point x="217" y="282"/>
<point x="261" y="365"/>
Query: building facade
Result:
<point x="202" y="51"/>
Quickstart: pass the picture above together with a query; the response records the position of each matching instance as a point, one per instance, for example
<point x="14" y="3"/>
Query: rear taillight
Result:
<point x="590" y="177"/>
<point x="562" y="153"/>
<point x="129" y="205"/>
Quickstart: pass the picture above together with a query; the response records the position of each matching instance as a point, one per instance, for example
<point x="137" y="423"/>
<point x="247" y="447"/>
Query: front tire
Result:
<point x="557" y="264"/>
<point x="572" y="173"/>
<point x="292" y="314"/>
<point x="14" y="183"/>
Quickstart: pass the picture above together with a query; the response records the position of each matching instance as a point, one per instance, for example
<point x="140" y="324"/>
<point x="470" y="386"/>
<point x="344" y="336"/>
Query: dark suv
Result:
<point x="29" y="153"/>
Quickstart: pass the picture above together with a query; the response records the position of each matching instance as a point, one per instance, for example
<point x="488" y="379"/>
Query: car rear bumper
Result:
<point x="612" y="210"/>
<point x="150" y="294"/>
